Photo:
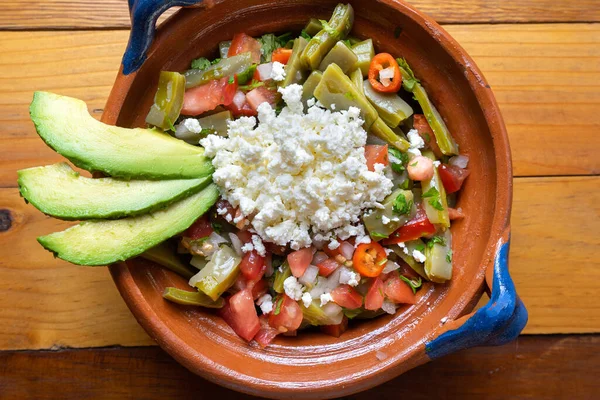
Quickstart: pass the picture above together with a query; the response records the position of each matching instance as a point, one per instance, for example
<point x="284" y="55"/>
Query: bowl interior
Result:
<point x="313" y="364"/>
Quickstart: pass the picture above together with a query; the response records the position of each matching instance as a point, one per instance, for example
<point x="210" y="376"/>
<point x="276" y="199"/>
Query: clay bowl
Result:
<point x="313" y="365"/>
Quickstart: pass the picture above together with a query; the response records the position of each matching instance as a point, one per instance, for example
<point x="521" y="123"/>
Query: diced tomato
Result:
<point x="206" y="97"/>
<point x="286" y="315"/>
<point x="335" y="330"/>
<point x="376" y="154"/>
<point x="299" y="260"/>
<point x="332" y="253"/>
<point x="245" y="236"/>
<point x="281" y="55"/>
<point x="240" y="314"/>
<point x="253" y="266"/>
<point x="200" y="228"/>
<point x="243" y="43"/>
<point x="399" y="291"/>
<point x="417" y="227"/>
<point x="369" y="259"/>
<point x="327" y="267"/>
<point x="229" y="91"/>
<point x="240" y="106"/>
<point x="375" y="295"/>
<point x="266" y="334"/>
<point x="422" y="126"/>
<point x="259" y="288"/>
<point x="256" y="76"/>
<point x="260" y="95"/>
<point x="346" y="296"/>
<point x="452" y="177"/>
<point x="455" y="213"/>
<point x="380" y="62"/>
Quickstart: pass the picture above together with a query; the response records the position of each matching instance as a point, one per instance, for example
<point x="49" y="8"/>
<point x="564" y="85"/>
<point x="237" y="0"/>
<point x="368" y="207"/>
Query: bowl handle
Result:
<point x="501" y="320"/>
<point x="144" y="14"/>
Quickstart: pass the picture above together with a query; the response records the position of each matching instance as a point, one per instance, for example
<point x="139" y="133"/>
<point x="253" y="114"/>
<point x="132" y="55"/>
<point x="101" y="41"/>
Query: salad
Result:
<point x="297" y="180"/>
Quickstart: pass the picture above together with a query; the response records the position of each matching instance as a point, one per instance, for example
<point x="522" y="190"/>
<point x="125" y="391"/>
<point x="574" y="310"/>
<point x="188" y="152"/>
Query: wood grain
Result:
<point x="67" y="14"/>
<point x="49" y="303"/>
<point x="540" y="367"/>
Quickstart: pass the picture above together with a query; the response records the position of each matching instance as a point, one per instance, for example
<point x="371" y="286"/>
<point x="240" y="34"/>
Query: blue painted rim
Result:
<point x="500" y="321"/>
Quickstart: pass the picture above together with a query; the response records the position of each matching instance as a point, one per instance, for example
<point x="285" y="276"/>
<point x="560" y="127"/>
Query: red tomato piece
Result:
<point x="266" y="334"/>
<point x="205" y="97"/>
<point x="327" y="267"/>
<point x="375" y="295"/>
<point x="200" y="228"/>
<point x="239" y="105"/>
<point x="253" y="266"/>
<point x="260" y="95"/>
<point x="369" y="259"/>
<point x="240" y="314"/>
<point x="417" y="227"/>
<point x="245" y="236"/>
<point x="422" y="126"/>
<point x="399" y="291"/>
<point x="335" y="330"/>
<point x="275" y="248"/>
<point x="229" y="91"/>
<point x="299" y="260"/>
<point x="376" y="154"/>
<point x="242" y="43"/>
<point x="452" y="177"/>
<point x="286" y="315"/>
<point x="281" y="55"/>
<point x="346" y="296"/>
<point x="259" y="288"/>
<point x="380" y="62"/>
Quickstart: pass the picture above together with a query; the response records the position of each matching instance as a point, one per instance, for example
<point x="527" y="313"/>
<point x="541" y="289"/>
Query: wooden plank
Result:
<point x="66" y="14"/>
<point x="524" y="369"/>
<point x="53" y="303"/>
<point x="544" y="76"/>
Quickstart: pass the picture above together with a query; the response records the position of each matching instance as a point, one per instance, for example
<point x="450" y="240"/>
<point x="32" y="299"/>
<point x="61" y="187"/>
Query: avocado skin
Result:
<point x="103" y="242"/>
<point x="60" y="192"/>
<point x="67" y="127"/>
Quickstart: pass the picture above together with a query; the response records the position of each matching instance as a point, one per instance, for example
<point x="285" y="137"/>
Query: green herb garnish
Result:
<point x="398" y="155"/>
<point x="433" y="192"/>
<point x="402" y="206"/>
<point x="408" y="77"/>
<point x="278" y="305"/>
<point x="437" y="204"/>
<point x="329" y="29"/>
<point x="269" y="43"/>
<point x="414" y="164"/>
<point x="253" y="85"/>
<point x="449" y="256"/>
<point x="246" y="76"/>
<point x="201" y="63"/>
<point x="414" y="284"/>
<point x="382" y="262"/>
<point x="377" y="235"/>
<point x="305" y="35"/>
<point x="217" y="227"/>
<point x="420" y="247"/>
<point x="436" y="239"/>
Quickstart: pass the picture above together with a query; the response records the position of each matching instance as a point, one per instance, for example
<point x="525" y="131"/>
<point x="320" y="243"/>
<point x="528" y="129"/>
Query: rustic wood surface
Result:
<point x="546" y="78"/>
<point x="533" y="367"/>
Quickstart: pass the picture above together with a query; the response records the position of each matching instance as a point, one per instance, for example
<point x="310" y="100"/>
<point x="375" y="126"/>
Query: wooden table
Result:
<point x="66" y="333"/>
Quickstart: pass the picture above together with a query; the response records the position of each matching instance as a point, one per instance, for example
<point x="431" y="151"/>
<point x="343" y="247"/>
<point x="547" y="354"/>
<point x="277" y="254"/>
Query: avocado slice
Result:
<point x="66" y="126"/>
<point x="102" y="242"/>
<point x="59" y="191"/>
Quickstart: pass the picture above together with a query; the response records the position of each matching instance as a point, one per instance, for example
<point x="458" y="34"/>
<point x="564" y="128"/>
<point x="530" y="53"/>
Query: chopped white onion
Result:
<point x="310" y="276"/>
<point x="389" y="267"/>
<point x="459" y="161"/>
<point x="239" y="99"/>
<point x="236" y="243"/>
<point x="334" y="312"/>
<point x="319" y="257"/>
<point x="198" y="262"/>
<point x="264" y="71"/>
<point x="347" y="250"/>
<point x="388" y="307"/>
<point x="387" y="73"/>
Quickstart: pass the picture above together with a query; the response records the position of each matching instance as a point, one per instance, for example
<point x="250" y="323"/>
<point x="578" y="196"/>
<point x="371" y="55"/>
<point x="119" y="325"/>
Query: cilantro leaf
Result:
<point x="414" y="284"/>
<point x="449" y="256"/>
<point x="201" y="63"/>
<point x="420" y="247"/>
<point x="217" y="227"/>
<point x="305" y="35"/>
<point x="436" y="240"/>
<point x="329" y="29"/>
<point x="252" y="85"/>
<point x="408" y="77"/>
<point x="437" y="204"/>
<point x="398" y="156"/>
<point x="401" y="206"/>
<point x="433" y="192"/>
<point x="269" y="43"/>
<point x="377" y="235"/>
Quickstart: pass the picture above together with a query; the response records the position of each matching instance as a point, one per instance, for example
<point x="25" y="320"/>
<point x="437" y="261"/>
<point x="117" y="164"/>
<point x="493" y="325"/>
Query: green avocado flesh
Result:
<point x="107" y="241"/>
<point x="66" y="126"/>
<point x="59" y="191"/>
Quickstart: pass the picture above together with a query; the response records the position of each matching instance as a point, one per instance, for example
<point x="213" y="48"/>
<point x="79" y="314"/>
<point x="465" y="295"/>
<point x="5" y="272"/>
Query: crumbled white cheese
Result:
<point x="416" y="142"/>
<point x="265" y="302"/>
<point x="436" y="163"/>
<point x="311" y="102"/>
<point x="306" y="299"/>
<point x="278" y="71"/>
<point x="334" y="244"/>
<point x="258" y="245"/>
<point x="403" y="247"/>
<point x="385" y="220"/>
<point x="228" y="218"/>
<point x="388" y="251"/>
<point x="222" y="211"/>
<point x="325" y="298"/>
<point x="332" y="107"/>
<point x="418" y="256"/>
<point x="349" y="277"/>
<point x="192" y="125"/>
<point x="298" y="174"/>
<point x="247" y="248"/>
<point x="293" y="288"/>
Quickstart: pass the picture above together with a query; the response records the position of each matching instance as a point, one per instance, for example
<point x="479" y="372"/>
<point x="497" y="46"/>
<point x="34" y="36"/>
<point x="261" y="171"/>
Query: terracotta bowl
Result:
<point x="313" y="365"/>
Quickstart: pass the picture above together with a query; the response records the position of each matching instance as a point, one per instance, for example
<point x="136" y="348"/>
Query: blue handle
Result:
<point x="501" y="320"/>
<point x="144" y="14"/>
